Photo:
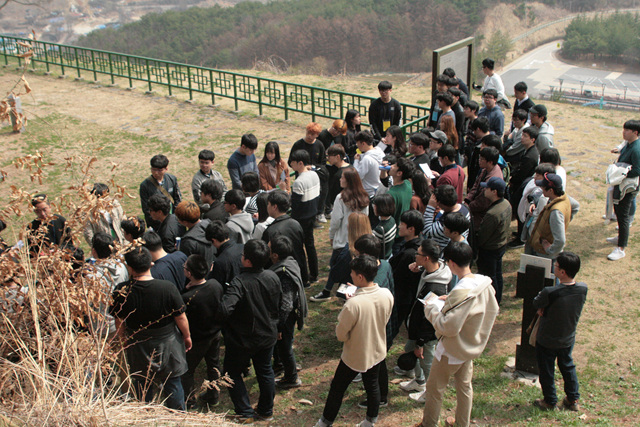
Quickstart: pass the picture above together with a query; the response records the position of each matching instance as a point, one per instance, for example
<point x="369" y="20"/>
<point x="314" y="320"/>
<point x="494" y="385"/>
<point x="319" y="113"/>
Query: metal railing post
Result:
<point x="213" y="88"/>
<point x="286" y="102"/>
<point x="259" y="96"/>
<point x="169" y="79"/>
<point x="235" y="92"/>
<point x="75" y="55"/>
<point x="93" y="65"/>
<point x="148" y="74"/>
<point x="113" y="80"/>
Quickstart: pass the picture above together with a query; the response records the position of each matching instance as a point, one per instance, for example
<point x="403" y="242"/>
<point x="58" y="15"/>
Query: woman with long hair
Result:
<point x="421" y="185"/>
<point x="352" y="119"/>
<point x="449" y="128"/>
<point x="274" y="172"/>
<point x="395" y="142"/>
<point x="352" y="199"/>
<point x="264" y="220"/>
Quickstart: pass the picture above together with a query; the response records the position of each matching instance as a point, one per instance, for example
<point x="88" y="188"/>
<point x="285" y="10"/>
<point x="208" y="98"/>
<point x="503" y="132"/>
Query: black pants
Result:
<point x="310" y="246"/>
<point x="622" y="213"/>
<point x="341" y="380"/>
<point x="209" y="350"/>
<point x="490" y="264"/>
<point x="284" y="350"/>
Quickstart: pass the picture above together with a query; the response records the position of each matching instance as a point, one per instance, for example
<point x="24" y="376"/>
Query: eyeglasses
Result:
<point x="419" y="254"/>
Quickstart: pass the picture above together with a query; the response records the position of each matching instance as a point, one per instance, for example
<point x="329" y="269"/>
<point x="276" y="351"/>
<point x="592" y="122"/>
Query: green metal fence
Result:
<point x="290" y="97"/>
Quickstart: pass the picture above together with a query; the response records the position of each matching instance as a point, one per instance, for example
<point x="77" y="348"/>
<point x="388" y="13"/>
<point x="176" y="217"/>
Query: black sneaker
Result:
<point x="321" y="297"/>
<point x="515" y="243"/>
<point x="259" y="417"/>
<point x="286" y="385"/>
<point x="383" y="404"/>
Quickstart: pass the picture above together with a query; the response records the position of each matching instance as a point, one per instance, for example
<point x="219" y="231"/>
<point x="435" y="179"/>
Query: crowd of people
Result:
<point x="405" y="230"/>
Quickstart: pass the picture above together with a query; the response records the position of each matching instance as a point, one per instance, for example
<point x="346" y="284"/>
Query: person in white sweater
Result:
<point x="362" y="327"/>
<point x="463" y="325"/>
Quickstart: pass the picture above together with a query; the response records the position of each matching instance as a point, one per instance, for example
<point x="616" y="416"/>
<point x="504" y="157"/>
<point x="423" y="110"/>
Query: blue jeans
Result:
<point x="171" y="389"/>
<point x="546" y="365"/>
<point x="236" y="360"/>
<point x="490" y="264"/>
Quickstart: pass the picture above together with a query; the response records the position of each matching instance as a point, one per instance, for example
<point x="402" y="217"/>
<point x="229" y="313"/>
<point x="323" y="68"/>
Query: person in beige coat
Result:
<point x="362" y="327"/>
<point x="105" y="220"/>
<point x="463" y="325"/>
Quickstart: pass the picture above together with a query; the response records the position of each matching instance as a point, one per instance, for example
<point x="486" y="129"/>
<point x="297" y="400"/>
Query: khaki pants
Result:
<point x="439" y="376"/>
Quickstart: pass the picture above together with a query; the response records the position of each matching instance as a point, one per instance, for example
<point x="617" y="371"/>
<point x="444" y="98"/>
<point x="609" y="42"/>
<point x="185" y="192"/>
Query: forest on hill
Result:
<point x="349" y="36"/>
<point x="614" y="37"/>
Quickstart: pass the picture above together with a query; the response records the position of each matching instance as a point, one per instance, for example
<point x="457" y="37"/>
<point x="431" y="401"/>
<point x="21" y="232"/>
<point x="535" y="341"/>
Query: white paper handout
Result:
<point x="432" y="299"/>
<point x="427" y="170"/>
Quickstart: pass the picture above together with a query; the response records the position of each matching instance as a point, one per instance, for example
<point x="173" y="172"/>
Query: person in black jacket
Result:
<point x="170" y="228"/>
<point x="161" y="182"/>
<point x="194" y="240"/>
<point x="48" y="228"/>
<point x="202" y="299"/>
<point x="211" y="193"/>
<point x="422" y="336"/>
<point x="406" y="281"/>
<point x="523" y="102"/>
<point x="524" y="169"/>
<point x="278" y="204"/>
<point x="384" y="111"/>
<point x="250" y="312"/>
<point x="228" y="260"/>
<point x="293" y="308"/>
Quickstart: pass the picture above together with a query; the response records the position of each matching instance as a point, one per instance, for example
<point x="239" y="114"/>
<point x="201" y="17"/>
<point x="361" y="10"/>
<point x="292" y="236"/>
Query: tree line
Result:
<point x="616" y="37"/>
<point x="350" y="35"/>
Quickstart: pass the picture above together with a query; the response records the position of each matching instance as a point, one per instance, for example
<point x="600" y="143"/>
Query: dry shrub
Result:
<point x="57" y="364"/>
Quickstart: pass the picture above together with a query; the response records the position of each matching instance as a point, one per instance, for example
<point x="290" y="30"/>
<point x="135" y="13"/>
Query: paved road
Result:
<point x="541" y="69"/>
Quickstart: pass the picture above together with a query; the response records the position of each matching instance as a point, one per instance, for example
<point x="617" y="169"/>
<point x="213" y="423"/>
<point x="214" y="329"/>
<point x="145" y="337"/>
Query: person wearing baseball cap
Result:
<point x="437" y="139"/>
<point x="538" y="115"/>
<point x="549" y="233"/>
<point x="493" y="233"/>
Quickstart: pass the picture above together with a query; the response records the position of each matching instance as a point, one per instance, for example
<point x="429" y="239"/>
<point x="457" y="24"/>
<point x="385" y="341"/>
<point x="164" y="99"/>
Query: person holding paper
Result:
<point x="422" y="336"/>
<point x="362" y="328"/>
<point x="463" y="326"/>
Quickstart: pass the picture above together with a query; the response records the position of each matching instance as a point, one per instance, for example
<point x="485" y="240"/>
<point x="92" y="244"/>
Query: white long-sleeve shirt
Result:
<point x="368" y="167"/>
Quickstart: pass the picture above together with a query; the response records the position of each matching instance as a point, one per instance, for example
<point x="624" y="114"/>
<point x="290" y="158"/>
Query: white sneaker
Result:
<point x="403" y="373"/>
<point x="616" y="254"/>
<point x="419" y="397"/>
<point x="613" y="240"/>
<point x="321" y="218"/>
<point x="412" y="385"/>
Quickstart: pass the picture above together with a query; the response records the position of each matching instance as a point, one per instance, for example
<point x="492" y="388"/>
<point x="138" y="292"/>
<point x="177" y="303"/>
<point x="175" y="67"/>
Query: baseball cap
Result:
<point x="550" y="180"/>
<point x="539" y="110"/>
<point x="438" y="135"/>
<point x="494" y="183"/>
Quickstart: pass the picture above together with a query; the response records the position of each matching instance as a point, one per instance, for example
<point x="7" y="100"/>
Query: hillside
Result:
<point x="334" y="36"/>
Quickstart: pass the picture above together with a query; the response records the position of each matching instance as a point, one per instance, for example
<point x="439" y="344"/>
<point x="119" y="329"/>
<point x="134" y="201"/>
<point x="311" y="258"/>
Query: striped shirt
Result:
<point x="434" y="225"/>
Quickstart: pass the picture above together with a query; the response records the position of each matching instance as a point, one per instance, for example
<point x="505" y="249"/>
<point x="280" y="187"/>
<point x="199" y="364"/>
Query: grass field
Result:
<point x="73" y="121"/>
